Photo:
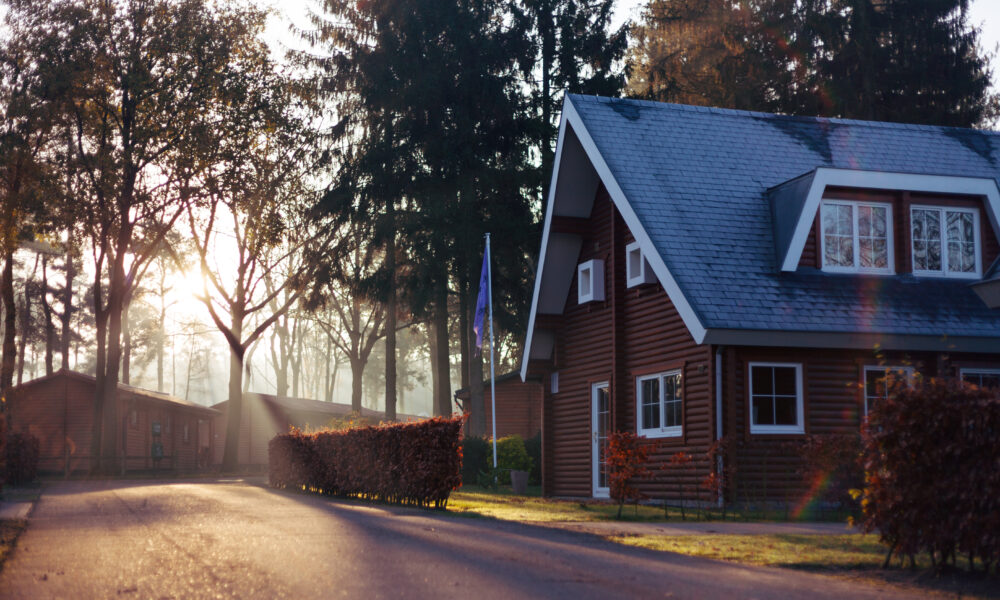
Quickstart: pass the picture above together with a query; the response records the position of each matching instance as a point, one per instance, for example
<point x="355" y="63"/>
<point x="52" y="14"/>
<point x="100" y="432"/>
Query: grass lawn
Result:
<point x="10" y="529"/>
<point x="853" y="556"/>
<point x="502" y="504"/>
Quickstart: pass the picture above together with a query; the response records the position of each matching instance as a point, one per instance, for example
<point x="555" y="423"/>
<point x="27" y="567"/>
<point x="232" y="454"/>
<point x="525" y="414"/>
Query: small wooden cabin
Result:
<point x="266" y="415"/>
<point x="519" y="406"/>
<point x="157" y="431"/>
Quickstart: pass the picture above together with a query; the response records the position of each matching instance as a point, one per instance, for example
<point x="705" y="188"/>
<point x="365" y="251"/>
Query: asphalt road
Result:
<point x="225" y="539"/>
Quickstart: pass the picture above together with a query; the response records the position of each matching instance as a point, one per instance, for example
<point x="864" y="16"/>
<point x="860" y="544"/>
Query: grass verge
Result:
<point x="10" y="529"/>
<point x="853" y="556"/>
<point x="502" y="504"/>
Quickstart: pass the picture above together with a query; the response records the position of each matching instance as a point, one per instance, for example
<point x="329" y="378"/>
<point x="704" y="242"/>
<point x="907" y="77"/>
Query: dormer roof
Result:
<point x="722" y="201"/>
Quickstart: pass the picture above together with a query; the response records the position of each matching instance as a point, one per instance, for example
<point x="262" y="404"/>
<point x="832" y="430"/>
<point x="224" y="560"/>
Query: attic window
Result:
<point x="945" y="241"/>
<point x="637" y="269"/>
<point x="856" y="237"/>
<point x="590" y="281"/>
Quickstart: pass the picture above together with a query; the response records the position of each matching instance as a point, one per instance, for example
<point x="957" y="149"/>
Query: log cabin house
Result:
<point x="707" y="273"/>
<point x="157" y="431"/>
<point x="519" y="406"/>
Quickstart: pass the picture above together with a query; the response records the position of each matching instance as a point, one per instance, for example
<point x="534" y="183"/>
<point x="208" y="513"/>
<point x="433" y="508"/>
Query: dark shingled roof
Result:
<point x="697" y="178"/>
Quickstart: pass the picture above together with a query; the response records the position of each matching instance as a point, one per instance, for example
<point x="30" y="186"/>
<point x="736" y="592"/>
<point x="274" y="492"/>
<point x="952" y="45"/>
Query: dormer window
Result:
<point x="637" y="270"/>
<point x="590" y="281"/>
<point x="857" y="237"/>
<point x="945" y="241"/>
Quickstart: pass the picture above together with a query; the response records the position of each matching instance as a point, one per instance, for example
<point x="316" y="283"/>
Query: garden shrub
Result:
<point x="407" y="463"/>
<point x="534" y="447"/>
<point x="476" y="457"/>
<point x="511" y="454"/>
<point x="21" y="452"/>
<point x="627" y="460"/>
<point x="832" y="468"/>
<point x="932" y="473"/>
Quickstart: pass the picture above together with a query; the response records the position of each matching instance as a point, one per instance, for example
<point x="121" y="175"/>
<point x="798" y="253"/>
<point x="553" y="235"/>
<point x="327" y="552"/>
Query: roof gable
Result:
<point x="716" y="198"/>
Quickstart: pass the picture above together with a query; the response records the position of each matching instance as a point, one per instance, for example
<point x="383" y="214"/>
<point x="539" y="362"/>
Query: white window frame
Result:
<point x="976" y="371"/>
<point x="856" y="268"/>
<point x="661" y="431"/>
<point x="799" y="427"/>
<point x="594" y="271"/>
<point x="908" y="371"/>
<point x="945" y="271"/>
<point x="636" y="276"/>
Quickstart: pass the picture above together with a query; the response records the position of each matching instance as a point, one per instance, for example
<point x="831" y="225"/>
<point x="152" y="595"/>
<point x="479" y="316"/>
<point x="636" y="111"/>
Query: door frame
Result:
<point x="598" y="492"/>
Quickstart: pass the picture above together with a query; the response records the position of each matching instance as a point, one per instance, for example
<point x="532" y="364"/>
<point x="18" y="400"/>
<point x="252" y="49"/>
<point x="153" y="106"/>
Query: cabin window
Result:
<point x="554" y="382"/>
<point x="637" y="270"/>
<point x="186" y="435"/>
<point x="880" y="379"/>
<point x="659" y="398"/>
<point x="776" y="398"/>
<point x="133" y="418"/>
<point x="590" y="281"/>
<point x="856" y="237"/>
<point x="982" y="378"/>
<point x="945" y="241"/>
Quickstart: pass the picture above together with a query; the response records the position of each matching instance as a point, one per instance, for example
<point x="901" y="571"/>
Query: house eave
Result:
<point x="852" y="340"/>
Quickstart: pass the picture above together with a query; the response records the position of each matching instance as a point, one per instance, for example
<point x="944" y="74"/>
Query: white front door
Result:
<point x="600" y="424"/>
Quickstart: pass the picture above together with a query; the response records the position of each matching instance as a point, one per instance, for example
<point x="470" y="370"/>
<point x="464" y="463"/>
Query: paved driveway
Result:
<point x="221" y="539"/>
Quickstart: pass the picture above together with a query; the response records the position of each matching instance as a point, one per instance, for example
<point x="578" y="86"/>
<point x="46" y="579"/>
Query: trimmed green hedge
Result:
<point x="406" y="463"/>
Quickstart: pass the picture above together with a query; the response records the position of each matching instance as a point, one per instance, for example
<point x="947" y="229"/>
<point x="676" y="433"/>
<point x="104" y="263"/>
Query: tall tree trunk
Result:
<point x="8" y="362"/>
<point x="101" y="326"/>
<point x="296" y="357"/>
<point x="435" y="371"/>
<point x="390" y="315"/>
<point x="443" y="399"/>
<point x="357" y="373"/>
<point x="67" y="302"/>
<point x="234" y="408"/>
<point x="477" y="410"/>
<point x="50" y="327"/>
<point x="161" y="341"/>
<point x="126" y="343"/>
<point x="117" y="291"/>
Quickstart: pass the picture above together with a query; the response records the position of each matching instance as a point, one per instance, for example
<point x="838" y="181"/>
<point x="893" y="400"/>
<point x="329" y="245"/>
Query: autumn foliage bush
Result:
<point x="932" y="471"/>
<point x="627" y="461"/>
<point x="416" y="463"/>
<point x="21" y="453"/>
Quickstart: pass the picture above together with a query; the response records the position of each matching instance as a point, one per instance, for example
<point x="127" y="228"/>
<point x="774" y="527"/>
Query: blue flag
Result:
<point x="484" y="287"/>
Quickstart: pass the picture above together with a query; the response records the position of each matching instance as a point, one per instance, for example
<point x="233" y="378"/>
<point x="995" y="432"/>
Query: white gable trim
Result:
<point x="667" y="280"/>
<point x="570" y="118"/>
<point x="526" y="355"/>
<point x="825" y="176"/>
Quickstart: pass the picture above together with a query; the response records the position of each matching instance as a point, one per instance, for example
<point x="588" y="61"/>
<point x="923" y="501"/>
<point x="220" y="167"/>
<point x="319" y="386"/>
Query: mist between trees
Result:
<point x="185" y="212"/>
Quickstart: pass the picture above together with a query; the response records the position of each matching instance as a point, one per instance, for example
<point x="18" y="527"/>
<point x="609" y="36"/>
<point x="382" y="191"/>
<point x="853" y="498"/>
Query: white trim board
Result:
<point x="826" y="176"/>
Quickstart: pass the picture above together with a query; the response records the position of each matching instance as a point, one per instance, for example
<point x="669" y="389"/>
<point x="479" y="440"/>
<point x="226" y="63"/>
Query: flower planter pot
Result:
<point x="519" y="481"/>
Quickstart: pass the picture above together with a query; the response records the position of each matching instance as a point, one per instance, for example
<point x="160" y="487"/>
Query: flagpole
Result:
<point x="493" y="381"/>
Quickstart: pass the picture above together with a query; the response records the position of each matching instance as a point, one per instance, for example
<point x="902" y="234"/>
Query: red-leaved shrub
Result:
<point x="627" y="460"/>
<point x="21" y="453"/>
<point x="932" y="469"/>
<point x="408" y="463"/>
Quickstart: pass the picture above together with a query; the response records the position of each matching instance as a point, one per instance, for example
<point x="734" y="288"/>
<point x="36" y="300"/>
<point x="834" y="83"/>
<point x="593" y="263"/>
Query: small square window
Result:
<point x="590" y="281"/>
<point x="776" y="398"/>
<point x="637" y="269"/>
<point x="880" y="380"/>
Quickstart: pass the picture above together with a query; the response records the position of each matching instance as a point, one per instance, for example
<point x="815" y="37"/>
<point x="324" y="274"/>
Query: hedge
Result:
<point x="416" y="463"/>
<point x="932" y="473"/>
<point x="21" y="453"/>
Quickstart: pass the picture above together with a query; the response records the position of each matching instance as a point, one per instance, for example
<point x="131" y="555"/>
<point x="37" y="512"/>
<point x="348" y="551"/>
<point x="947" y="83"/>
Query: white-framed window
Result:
<point x="637" y="269"/>
<point x="590" y="281"/>
<point x="659" y="405"/>
<point x="945" y="241"/>
<point x="776" y="398"/>
<point x="856" y="237"/>
<point x="983" y="378"/>
<point x="880" y="379"/>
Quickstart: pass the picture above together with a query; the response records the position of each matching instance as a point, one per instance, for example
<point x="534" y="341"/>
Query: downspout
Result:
<point x="718" y="416"/>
